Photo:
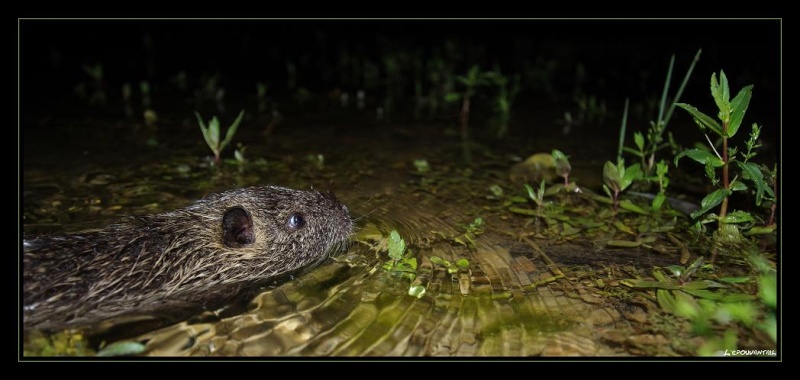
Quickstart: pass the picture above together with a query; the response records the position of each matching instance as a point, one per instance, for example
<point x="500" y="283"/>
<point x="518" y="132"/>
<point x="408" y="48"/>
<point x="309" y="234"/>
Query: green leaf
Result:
<point x="462" y="263"/>
<point x="622" y="227"/>
<point x="738" y="186"/>
<point x="630" y="206"/>
<point x="623" y="243"/>
<point x="397" y="246"/>
<point x="753" y="173"/>
<point x="737" y="311"/>
<point x="561" y="162"/>
<point x="638" y="139"/>
<point x="768" y="290"/>
<point x="122" y="348"/>
<point x="701" y="284"/>
<point x="658" y="201"/>
<point x="700" y="156"/>
<point x="735" y="280"/>
<point x="416" y="291"/>
<point x="632" y="173"/>
<point x="703" y="120"/>
<point x="710" y="201"/>
<point x="206" y="133"/>
<point x="213" y="133"/>
<point x="666" y="300"/>
<point x="611" y="176"/>
<point x="737" y="217"/>
<point x="721" y="93"/>
<point x="761" y="230"/>
<point x="738" y="108"/>
<point x="232" y="130"/>
<point x="439" y="261"/>
<point x="707" y="294"/>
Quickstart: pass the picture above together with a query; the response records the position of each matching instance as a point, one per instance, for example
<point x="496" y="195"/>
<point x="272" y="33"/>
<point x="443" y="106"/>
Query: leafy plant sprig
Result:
<point x="730" y="115"/>
<point x="403" y="263"/>
<point x="211" y="134"/>
<point x="617" y="178"/>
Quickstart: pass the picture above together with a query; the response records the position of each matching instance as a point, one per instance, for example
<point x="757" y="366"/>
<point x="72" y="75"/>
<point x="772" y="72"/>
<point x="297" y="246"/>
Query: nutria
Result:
<point x="190" y="258"/>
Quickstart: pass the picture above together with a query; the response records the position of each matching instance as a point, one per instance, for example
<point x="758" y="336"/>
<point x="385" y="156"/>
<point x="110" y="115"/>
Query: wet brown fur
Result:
<point x="145" y="264"/>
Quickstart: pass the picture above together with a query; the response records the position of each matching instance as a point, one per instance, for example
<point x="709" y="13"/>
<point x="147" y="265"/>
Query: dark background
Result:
<point x="622" y="58"/>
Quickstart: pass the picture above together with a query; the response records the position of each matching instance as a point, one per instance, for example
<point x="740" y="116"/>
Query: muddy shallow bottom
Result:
<point x="533" y="286"/>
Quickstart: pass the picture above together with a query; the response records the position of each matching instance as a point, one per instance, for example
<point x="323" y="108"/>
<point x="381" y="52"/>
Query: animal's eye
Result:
<point x="296" y="221"/>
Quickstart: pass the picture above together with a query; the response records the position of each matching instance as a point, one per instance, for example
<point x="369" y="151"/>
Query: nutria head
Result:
<point x="193" y="257"/>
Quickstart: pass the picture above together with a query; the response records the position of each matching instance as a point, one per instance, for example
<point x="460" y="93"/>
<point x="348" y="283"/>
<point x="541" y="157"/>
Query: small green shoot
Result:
<point x="402" y="261"/>
<point x="563" y="168"/>
<point x="472" y="231"/>
<point x="211" y="134"/>
<point x="422" y="166"/>
<point x="617" y="178"/>
<point x="537" y="196"/>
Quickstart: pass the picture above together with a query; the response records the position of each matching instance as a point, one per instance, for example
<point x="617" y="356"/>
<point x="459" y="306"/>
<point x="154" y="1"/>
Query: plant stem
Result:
<point x="725" y="178"/>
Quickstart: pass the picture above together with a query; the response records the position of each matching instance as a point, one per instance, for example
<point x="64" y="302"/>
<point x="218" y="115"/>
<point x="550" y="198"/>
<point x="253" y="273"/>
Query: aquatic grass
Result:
<point x="211" y="134"/>
<point x="647" y="147"/>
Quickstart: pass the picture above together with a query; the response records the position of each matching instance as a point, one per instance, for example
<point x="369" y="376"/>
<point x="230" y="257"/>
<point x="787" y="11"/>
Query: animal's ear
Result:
<point x="237" y="228"/>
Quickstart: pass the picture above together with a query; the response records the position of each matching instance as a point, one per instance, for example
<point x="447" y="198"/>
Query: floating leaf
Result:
<point x="416" y="291"/>
<point x="462" y="263"/>
<point x="623" y="243"/>
<point x="122" y="348"/>
<point x="439" y="261"/>
<point x="397" y="246"/>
